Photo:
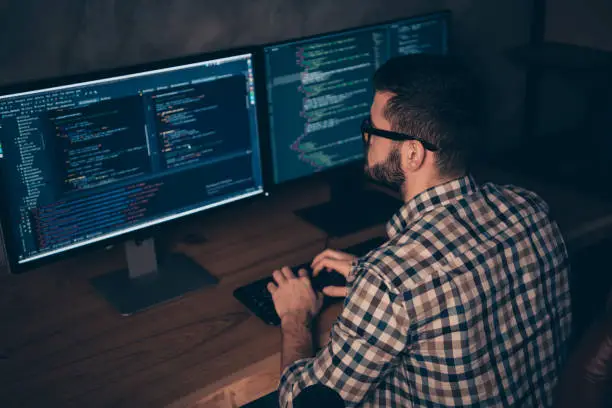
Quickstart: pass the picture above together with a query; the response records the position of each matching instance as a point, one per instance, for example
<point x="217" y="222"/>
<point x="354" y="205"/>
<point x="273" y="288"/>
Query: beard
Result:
<point x="388" y="172"/>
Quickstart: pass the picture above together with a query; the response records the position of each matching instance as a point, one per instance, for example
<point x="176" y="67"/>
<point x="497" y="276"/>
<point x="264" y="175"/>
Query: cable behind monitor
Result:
<point x="326" y="245"/>
<point x="4" y="266"/>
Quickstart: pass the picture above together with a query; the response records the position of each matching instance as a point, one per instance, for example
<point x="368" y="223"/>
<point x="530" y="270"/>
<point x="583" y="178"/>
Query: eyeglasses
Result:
<point x="367" y="129"/>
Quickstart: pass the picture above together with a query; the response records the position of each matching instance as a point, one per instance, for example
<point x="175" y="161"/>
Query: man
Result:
<point x="468" y="302"/>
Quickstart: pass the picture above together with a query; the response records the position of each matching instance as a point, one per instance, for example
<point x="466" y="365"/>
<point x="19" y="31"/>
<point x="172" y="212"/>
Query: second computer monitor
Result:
<point x="86" y="161"/>
<point x="320" y="89"/>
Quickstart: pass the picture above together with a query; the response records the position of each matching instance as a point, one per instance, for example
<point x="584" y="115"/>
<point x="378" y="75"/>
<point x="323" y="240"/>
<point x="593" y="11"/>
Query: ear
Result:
<point x="413" y="156"/>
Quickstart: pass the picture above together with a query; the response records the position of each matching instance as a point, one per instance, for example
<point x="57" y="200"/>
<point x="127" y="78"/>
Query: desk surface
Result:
<point x="63" y="345"/>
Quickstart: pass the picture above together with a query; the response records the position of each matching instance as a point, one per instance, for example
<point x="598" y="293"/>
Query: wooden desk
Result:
<point x="63" y="345"/>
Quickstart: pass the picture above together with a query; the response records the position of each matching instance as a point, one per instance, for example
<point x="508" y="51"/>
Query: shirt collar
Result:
<point x="427" y="200"/>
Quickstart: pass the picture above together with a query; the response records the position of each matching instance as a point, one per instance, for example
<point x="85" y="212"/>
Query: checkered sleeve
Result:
<point x="364" y="346"/>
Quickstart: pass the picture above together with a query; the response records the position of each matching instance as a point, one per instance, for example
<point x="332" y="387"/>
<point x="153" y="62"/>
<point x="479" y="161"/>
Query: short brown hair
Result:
<point x="437" y="99"/>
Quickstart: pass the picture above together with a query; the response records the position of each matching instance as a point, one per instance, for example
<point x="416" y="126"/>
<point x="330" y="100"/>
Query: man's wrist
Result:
<point x="296" y="318"/>
<point x="296" y="337"/>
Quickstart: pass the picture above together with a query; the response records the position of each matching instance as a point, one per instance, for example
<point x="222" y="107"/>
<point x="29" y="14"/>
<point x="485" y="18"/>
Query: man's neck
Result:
<point x="416" y="187"/>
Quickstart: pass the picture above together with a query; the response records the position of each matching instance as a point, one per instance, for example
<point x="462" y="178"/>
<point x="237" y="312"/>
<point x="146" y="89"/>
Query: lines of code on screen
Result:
<point x="320" y="89"/>
<point x="73" y="220"/>
<point x="101" y="143"/>
<point x="93" y="160"/>
<point x="195" y="122"/>
<point x="319" y="93"/>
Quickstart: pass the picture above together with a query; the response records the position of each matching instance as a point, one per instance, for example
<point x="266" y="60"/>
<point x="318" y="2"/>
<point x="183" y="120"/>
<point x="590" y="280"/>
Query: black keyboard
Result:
<point x="256" y="297"/>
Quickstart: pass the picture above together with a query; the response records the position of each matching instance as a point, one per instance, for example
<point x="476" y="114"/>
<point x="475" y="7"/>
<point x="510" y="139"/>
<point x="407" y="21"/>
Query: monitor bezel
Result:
<point x="9" y="237"/>
<point x="263" y="100"/>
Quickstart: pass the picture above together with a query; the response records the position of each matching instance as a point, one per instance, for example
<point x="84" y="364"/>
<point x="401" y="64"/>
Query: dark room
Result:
<point x="290" y="203"/>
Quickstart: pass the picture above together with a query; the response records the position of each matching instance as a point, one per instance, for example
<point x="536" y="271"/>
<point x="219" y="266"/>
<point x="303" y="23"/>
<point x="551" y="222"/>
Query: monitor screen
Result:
<point x="88" y="161"/>
<point x="320" y="89"/>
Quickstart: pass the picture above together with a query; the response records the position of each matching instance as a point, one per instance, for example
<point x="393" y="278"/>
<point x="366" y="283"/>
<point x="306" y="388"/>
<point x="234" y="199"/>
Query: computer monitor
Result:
<point x="102" y="157"/>
<point x="319" y="90"/>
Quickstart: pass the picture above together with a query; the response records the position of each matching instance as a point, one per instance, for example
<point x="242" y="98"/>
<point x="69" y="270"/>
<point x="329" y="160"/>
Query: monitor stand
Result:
<point x="351" y="208"/>
<point x="148" y="282"/>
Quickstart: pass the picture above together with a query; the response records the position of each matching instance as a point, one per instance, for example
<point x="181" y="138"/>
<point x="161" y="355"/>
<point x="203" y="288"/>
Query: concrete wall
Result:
<point x="74" y="36"/>
<point x="586" y="22"/>
<point x="563" y="101"/>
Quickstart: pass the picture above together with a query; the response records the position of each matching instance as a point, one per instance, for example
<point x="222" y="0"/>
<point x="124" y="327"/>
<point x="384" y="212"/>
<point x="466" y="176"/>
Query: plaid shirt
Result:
<point x="466" y="305"/>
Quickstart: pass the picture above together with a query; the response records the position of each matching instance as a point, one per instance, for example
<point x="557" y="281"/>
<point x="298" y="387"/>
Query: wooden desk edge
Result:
<point x="240" y="388"/>
<point x="589" y="233"/>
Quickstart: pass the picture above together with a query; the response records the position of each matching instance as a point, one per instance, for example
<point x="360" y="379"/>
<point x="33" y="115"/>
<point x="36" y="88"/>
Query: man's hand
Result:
<point x="332" y="260"/>
<point x="294" y="296"/>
